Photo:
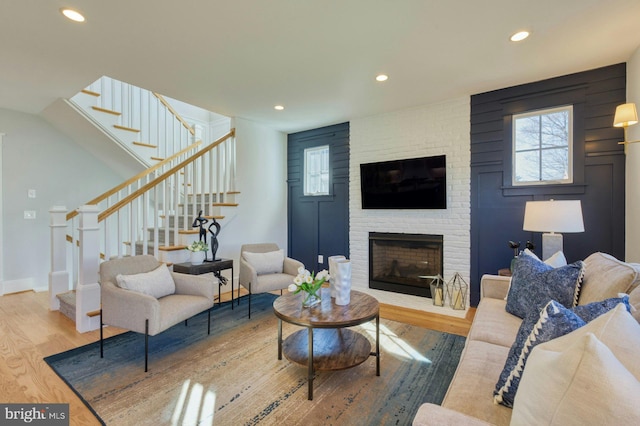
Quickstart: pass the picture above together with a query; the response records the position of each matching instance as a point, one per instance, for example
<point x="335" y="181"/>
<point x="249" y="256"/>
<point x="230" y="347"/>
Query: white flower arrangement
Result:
<point x="308" y="282"/>
<point x="198" y="246"/>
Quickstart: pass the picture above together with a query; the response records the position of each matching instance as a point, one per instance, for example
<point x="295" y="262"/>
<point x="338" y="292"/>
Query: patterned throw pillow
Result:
<point x="593" y="310"/>
<point x="554" y="320"/>
<point x="535" y="283"/>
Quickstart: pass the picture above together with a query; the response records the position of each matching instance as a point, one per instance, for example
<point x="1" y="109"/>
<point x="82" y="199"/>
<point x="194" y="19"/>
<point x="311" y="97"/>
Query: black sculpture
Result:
<point x="214" y="238"/>
<point x="199" y="222"/>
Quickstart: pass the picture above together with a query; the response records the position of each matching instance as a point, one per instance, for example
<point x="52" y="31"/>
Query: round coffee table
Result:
<point x="325" y="343"/>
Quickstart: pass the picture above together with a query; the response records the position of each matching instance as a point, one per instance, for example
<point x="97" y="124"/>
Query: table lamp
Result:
<point x="552" y="217"/>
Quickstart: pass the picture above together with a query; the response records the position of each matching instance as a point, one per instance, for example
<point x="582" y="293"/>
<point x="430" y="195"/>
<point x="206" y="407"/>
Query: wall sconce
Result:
<point x="552" y="217"/>
<point x="626" y="115"/>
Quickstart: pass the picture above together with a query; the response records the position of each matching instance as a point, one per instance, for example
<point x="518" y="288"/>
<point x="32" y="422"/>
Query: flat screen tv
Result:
<point x="413" y="183"/>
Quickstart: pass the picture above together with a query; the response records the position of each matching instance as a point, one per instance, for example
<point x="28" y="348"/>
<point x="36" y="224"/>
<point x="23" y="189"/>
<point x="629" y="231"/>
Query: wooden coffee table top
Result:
<point x="327" y="314"/>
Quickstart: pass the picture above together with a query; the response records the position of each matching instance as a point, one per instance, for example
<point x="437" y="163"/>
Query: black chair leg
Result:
<point x="249" y="300"/>
<point x="209" y="321"/>
<point x="146" y="344"/>
<point x="101" y="336"/>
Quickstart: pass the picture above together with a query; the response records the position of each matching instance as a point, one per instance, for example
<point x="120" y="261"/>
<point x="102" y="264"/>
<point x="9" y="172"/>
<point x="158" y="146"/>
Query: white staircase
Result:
<point x="150" y="213"/>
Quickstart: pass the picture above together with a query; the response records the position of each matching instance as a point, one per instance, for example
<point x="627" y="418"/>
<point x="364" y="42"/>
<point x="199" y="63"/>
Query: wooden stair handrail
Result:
<point x="140" y="191"/>
<point x="137" y="177"/>
<point x="173" y="111"/>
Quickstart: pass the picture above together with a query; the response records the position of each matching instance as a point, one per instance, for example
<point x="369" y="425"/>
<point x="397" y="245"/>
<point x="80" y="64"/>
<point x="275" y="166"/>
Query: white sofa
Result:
<point x="469" y="399"/>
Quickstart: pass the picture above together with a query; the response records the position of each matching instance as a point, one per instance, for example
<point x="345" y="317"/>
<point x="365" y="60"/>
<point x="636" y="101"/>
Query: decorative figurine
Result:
<point x="214" y="238"/>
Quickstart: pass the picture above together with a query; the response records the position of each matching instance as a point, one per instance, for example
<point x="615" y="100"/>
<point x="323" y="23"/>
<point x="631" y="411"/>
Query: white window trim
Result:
<point x="568" y="108"/>
<point x="304" y="177"/>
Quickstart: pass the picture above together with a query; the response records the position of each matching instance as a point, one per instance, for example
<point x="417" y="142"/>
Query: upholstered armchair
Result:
<point x="140" y="294"/>
<point x="264" y="268"/>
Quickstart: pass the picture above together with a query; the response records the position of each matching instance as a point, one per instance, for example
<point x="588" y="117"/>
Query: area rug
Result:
<point x="233" y="376"/>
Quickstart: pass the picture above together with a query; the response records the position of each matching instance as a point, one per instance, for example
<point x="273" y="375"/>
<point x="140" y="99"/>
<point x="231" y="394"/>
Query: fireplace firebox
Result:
<point x="404" y="263"/>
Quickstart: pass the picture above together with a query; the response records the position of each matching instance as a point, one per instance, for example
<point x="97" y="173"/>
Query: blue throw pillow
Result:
<point x="535" y="283"/>
<point x="554" y="320"/>
<point x="593" y="310"/>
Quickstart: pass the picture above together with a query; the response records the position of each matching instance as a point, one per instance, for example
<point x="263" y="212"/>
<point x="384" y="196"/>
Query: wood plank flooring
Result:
<point x="29" y="331"/>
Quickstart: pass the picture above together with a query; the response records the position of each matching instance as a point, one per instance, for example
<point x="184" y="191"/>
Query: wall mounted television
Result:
<point x="413" y="183"/>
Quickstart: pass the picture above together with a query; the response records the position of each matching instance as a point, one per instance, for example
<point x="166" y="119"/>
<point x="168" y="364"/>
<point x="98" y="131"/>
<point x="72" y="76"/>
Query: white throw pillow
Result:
<point x="265" y="263"/>
<point x="585" y="384"/>
<point x="617" y="329"/>
<point x="556" y="260"/>
<point x="157" y="283"/>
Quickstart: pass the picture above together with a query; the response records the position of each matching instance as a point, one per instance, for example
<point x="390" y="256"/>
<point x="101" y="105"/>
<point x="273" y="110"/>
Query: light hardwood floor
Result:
<point x="30" y="332"/>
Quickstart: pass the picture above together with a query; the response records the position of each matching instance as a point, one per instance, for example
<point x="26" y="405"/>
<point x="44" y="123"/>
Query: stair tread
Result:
<point x="147" y="145"/>
<point x="157" y="158"/>
<point x="172" y="248"/>
<point x="129" y="129"/>
<point x="108" y="111"/>
<point x="90" y="92"/>
<point x="225" y="204"/>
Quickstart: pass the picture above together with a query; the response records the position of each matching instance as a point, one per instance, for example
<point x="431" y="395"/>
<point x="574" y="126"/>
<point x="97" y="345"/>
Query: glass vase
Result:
<point x="311" y="299"/>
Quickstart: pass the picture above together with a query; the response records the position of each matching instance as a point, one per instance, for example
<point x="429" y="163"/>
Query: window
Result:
<point x="542" y="147"/>
<point x="316" y="170"/>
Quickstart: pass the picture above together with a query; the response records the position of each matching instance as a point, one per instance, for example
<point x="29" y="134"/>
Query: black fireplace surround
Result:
<point x="404" y="263"/>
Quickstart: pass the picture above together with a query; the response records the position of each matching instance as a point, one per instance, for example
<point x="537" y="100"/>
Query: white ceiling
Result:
<point x="317" y="58"/>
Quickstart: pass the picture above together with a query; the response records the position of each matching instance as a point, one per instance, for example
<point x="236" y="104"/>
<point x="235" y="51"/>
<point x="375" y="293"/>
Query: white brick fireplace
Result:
<point x="430" y="130"/>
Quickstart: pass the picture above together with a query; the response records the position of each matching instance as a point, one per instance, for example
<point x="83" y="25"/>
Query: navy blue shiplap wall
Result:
<point x="497" y="208"/>
<point x="319" y="225"/>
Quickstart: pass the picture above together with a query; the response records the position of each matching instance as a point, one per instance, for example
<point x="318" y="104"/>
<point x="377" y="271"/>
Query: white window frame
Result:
<point x="313" y="174"/>
<point x="514" y="182"/>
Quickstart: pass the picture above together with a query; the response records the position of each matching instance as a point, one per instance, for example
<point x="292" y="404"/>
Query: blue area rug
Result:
<point x="233" y="376"/>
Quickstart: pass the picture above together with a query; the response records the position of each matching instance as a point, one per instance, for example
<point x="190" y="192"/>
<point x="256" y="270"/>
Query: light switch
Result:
<point x="320" y="259"/>
<point x="29" y="214"/>
<point x="31" y="193"/>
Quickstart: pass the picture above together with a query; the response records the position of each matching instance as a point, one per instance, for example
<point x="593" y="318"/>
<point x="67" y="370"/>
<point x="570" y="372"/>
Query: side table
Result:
<point x="214" y="266"/>
<point x="504" y="272"/>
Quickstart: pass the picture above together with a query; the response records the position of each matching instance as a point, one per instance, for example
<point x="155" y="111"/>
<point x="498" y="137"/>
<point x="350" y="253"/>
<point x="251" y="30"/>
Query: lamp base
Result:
<point x="551" y="244"/>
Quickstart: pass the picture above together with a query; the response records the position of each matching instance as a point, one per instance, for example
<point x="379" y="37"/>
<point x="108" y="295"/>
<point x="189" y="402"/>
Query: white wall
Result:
<point x="632" y="237"/>
<point x="441" y="128"/>
<point x="262" y="181"/>
<point x="37" y="156"/>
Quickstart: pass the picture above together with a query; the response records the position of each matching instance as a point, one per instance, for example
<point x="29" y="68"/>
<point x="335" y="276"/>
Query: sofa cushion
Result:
<point x="493" y="324"/>
<point x="583" y="384"/>
<point x="553" y="320"/>
<point x="535" y="283"/>
<point x="265" y="263"/>
<point x="470" y="390"/>
<point x="605" y="277"/>
<point x="157" y="283"/>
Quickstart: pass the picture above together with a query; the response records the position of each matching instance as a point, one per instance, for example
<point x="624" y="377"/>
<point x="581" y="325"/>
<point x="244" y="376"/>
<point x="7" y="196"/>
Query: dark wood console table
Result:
<point x="325" y="343"/>
<point x="214" y="266"/>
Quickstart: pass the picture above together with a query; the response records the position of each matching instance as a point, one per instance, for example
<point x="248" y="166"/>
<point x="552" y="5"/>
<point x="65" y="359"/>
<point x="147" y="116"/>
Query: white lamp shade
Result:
<point x="626" y="115"/>
<point x="553" y="216"/>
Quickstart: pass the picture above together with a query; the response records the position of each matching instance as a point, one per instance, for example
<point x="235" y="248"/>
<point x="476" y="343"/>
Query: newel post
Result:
<point x="58" y="275"/>
<point x="88" y="289"/>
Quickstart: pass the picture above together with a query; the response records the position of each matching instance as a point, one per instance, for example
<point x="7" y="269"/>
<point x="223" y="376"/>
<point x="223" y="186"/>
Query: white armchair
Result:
<point x="264" y="268"/>
<point x="145" y="305"/>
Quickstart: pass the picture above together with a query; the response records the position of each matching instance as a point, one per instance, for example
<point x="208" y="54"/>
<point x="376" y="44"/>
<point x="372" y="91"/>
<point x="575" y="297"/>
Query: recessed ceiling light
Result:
<point x="74" y="15"/>
<point x="519" y="36"/>
<point x="278" y="107"/>
<point x="382" y="77"/>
